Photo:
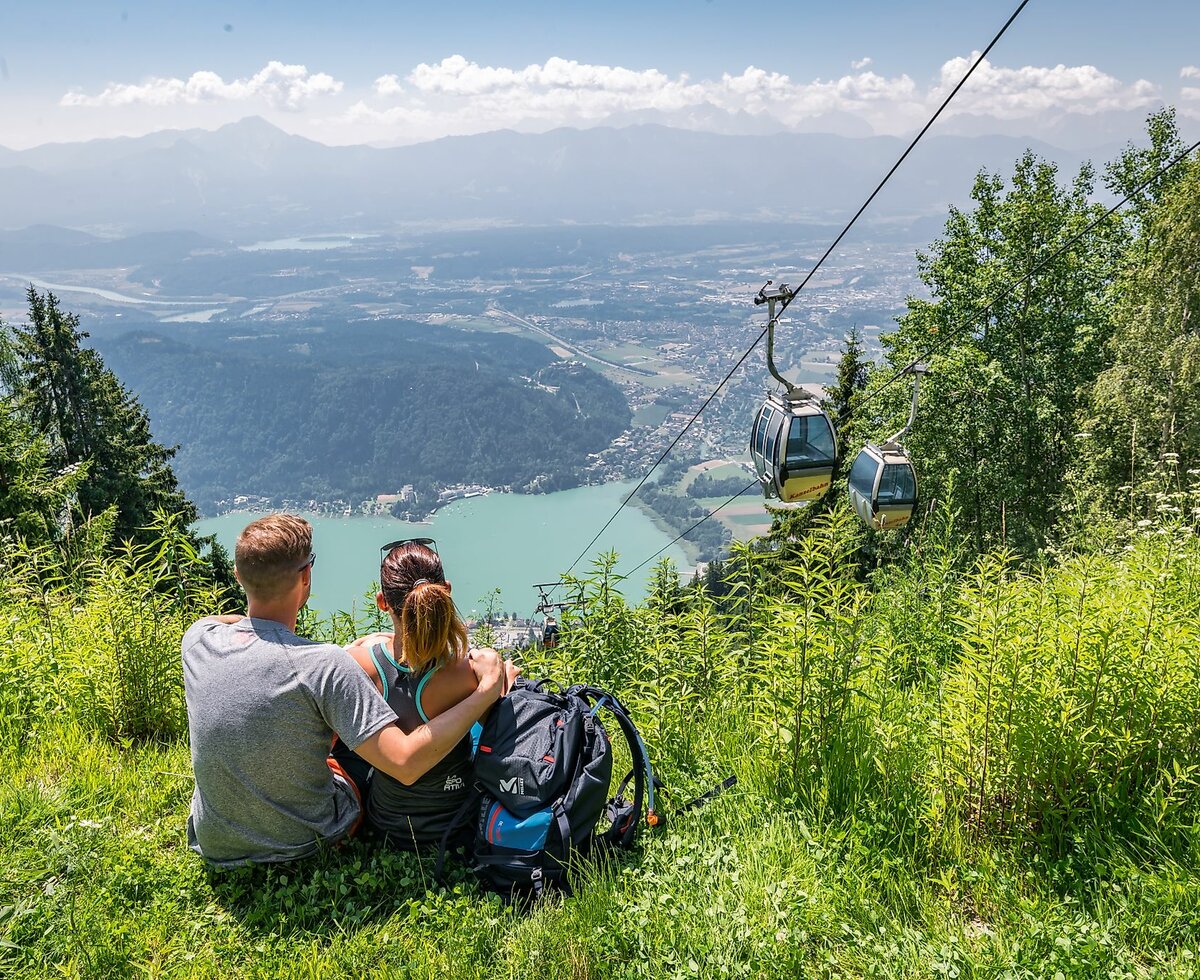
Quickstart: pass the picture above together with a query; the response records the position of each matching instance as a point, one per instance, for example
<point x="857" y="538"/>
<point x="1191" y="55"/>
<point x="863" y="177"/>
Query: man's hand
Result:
<point x="371" y="639"/>
<point x="494" y="675"/>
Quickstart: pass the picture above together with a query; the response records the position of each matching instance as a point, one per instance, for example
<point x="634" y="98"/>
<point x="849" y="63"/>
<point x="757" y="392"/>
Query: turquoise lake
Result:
<point x="504" y="541"/>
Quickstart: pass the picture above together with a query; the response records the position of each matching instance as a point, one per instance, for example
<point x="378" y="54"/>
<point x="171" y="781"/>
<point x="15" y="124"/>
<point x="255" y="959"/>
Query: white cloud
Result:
<point x="1189" y="95"/>
<point x="1011" y="93"/>
<point x="388" y="85"/>
<point x="281" y="86"/>
<point x="458" y="96"/>
<point x="457" y="76"/>
<point x="466" y="96"/>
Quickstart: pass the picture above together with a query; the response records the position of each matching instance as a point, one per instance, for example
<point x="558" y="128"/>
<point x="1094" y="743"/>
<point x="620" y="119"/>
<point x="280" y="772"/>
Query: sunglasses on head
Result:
<point x="392" y="545"/>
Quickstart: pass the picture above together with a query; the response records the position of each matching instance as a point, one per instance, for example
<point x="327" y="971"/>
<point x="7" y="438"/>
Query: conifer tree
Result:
<point x="33" y="497"/>
<point x="849" y="383"/>
<point x="89" y="419"/>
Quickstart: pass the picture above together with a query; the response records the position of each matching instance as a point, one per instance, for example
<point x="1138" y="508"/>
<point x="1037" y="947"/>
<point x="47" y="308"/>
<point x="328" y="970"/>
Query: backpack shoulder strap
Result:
<point x="625" y="828"/>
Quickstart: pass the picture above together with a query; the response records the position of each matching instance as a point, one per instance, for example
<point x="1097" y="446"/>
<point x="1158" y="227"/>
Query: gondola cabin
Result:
<point x="550" y="633"/>
<point x="883" y="486"/>
<point x="793" y="448"/>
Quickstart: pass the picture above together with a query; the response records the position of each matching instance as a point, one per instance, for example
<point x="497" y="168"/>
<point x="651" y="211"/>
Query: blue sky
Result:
<point x="350" y="72"/>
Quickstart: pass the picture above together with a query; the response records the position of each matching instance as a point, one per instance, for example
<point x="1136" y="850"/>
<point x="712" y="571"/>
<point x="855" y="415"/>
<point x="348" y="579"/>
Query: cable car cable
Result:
<point x="924" y="129"/>
<point x="902" y="372"/>
<point x="903" y="156"/>
<point x="749" y="486"/>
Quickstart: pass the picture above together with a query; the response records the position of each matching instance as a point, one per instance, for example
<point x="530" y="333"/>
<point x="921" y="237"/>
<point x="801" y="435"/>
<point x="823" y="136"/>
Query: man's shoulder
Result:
<point x="198" y="629"/>
<point x="208" y="624"/>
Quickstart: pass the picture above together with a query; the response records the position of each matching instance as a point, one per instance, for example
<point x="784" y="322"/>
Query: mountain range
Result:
<point x="250" y="179"/>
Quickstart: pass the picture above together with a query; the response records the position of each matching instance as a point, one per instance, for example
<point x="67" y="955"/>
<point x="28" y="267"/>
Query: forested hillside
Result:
<point x="351" y="410"/>
<point x="967" y="748"/>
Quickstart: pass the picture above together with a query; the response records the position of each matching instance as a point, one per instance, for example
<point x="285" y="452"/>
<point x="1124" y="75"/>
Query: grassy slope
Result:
<point x="855" y="850"/>
<point x="97" y="881"/>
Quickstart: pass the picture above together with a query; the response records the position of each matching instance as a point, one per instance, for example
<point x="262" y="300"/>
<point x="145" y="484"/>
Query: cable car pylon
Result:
<point x="883" y="482"/>
<point x="793" y="443"/>
<point x="548" y="608"/>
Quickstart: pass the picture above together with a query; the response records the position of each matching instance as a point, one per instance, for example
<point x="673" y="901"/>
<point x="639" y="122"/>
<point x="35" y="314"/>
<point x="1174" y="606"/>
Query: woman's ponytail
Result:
<point x="431" y="634"/>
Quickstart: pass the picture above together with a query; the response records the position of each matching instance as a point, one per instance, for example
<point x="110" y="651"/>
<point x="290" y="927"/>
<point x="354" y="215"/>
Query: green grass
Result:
<point x="746" y="520"/>
<point x="98" y="882"/>
<point x="958" y="768"/>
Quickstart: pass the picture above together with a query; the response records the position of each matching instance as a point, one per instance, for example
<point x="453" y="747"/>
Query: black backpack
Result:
<point x="542" y="774"/>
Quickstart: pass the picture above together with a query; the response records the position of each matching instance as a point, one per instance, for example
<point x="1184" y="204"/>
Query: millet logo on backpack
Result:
<point x="515" y="786"/>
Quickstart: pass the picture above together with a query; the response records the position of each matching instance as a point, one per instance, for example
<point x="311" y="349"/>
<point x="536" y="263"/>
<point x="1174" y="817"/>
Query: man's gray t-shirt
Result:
<point x="263" y="705"/>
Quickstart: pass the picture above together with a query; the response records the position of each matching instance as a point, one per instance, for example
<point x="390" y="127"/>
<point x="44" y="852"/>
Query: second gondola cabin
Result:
<point x="883" y="486"/>
<point x="794" y="449"/>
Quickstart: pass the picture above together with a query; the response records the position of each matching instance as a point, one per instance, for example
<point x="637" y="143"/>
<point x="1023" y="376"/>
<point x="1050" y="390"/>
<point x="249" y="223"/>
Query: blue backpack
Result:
<point x="543" y="769"/>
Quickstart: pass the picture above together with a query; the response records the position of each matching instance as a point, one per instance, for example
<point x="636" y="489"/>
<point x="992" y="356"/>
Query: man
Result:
<point x="264" y="704"/>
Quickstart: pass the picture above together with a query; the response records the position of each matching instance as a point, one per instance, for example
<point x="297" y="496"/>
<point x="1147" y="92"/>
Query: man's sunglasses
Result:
<point x="390" y="546"/>
<point x="309" y="562"/>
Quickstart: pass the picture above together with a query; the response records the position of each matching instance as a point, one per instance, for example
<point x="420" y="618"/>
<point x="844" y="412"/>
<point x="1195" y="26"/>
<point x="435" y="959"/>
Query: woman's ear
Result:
<point x="447" y="586"/>
<point x="381" y="602"/>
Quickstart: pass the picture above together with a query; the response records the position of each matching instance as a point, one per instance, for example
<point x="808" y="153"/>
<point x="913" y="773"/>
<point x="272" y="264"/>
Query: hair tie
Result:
<point x="420" y="581"/>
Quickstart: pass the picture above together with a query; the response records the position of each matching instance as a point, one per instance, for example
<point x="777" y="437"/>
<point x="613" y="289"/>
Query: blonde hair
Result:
<point x="430" y="631"/>
<point x="270" y="554"/>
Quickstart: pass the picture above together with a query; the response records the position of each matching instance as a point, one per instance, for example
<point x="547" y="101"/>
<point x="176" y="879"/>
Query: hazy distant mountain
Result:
<point x="40" y="248"/>
<point x="704" y="118"/>
<point x="249" y="179"/>
<point x="1101" y="134"/>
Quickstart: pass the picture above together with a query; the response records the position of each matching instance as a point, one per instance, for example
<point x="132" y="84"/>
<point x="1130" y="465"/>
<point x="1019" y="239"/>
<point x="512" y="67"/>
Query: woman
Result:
<point x="421" y="669"/>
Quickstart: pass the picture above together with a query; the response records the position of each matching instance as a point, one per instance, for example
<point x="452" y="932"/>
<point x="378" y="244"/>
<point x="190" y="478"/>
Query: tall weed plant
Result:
<point x="942" y="700"/>
<point x="97" y="639"/>
<point x="1072" y="705"/>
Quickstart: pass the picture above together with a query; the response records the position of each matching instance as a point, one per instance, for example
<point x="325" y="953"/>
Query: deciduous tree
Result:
<point x="1013" y="335"/>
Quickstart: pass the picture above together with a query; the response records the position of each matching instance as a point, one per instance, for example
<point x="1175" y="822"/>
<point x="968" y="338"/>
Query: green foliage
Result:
<point x="1141" y="422"/>
<point x="86" y="417"/>
<point x="866" y="721"/>
<point x="706" y="486"/>
<point x="35" y="501"/>
<point x="998" y="407"/>
<point x="98" y="643"/>
<point x="850" y="381"/>
<point x="680" y="514"/>
<point x="485" y="634"/>
<point x="77" y="461"/>
<point x="1071" y="708"/>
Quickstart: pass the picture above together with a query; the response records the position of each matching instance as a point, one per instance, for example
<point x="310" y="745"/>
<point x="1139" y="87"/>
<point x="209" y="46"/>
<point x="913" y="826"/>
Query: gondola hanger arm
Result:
<point x="773" y="295"/>
<point x="916" y="369"/>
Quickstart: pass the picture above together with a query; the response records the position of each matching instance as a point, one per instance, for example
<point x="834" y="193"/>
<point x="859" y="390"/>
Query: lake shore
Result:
<point x="497" y="540"/>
